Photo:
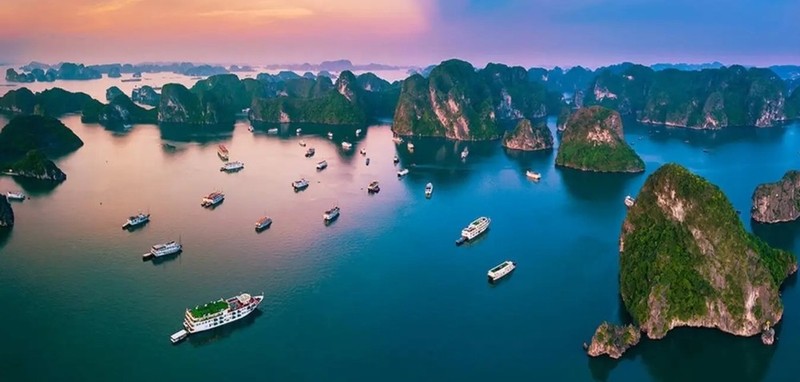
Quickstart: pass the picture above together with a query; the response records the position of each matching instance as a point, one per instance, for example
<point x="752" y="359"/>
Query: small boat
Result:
<point x="397" y="139"/>
<point x="410" y="146"/>
<point x="310" y="152"/>
<point x="428" y="190"/>
<point x="263" y="223"/>
<point x="330" y="135"/>
<point x="127" y="126"/>
<point x="347" y="146"/>
<point x="464" y="153"/>
<point x="178" y="336"/>
<point x="213" y="199"/>
<point x="250" y="128"/>
<point x="358" y="132"/>
<point x="222" y="151"/>
<point x="533" y="175"/>
<point x="302" y="143"/>
<point x="367" y="161"/>
<point x="396" y="160"/>
<point x="474" y="229"/>
<point x="232" y="166"/>
<point x="363" y="151"/>
<point x="301" y="184"/>
<point x="298" y="131"/>
<point x="10" y="195"/>
<point x="321" y="165"/>
<point x="273" y="131"/>
<point x="629" y="201"/>
<point x="373" y="187"/>
<point x="136" y="220"/>
<point x="331" y="214"/>
<point x="165" y="249"/>
<point x="501" y="270"/>
<point x="402" y="172"/>
<point x="130" y="80"/>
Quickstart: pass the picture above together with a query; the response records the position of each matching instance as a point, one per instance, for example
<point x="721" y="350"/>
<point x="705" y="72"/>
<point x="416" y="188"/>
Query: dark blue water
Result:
<point x="382" y="293"/>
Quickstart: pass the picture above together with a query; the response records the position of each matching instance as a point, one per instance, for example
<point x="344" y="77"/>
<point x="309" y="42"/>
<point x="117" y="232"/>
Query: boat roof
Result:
<point x="501" y="266"/>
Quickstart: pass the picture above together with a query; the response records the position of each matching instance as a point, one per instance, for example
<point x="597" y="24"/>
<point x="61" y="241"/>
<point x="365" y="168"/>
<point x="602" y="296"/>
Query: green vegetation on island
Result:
<point x="35" y="132"/>
<point x="686" y="260"/>
<point x="121" y="110"/>
<point x="36" y="165"/>
<point x="592" y="141"/>
<point x="53" y="102"/>
<point x="613" y="340"/>
<point x="528" y="137"/>
<point x="779" y="201"/>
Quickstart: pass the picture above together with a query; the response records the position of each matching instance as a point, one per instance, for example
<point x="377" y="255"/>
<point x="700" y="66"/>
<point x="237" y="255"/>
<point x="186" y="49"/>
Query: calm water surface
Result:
<point x="382" y="293"/>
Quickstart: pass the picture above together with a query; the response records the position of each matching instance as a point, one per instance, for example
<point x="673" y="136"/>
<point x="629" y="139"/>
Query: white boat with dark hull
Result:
<point x="374" y="187"/>
<point x="160" y="250"/>
<point x="474" y="229"/>
<point x="310" y="152"/>
<point x="302" y="143"/>
<point x="263" y="223"/>
<point x="346" y="146"/>
<point x="410" y="146"/>
<point x="402" y="172"/>
<point x="298" y="131"/>
<point x="501" y="270"/>
<point x="222" y="152"/>
<point x="136" y="220"/>
<point x="358" y="132"/>
<point x="217" y="313"/>
<point x="10" y="195"/>
<point x="533" y="175"/>
<point x="273" y="131"/>
<point x="629" y="201"/>
<point x="321" y="165"/>
<point x="331" y="214"/>
<point x="396" y="160"/>
<point x="330" y="135"/>
<point x="301" y="184"/>
<point x="428" y="190"/>
<point x="464" y="153"/>
<point x="363" y="151"/>
<point x="212" y="199"/>
<point x="232" y="166"/>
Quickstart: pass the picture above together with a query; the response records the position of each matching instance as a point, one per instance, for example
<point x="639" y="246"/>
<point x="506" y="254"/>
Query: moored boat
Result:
<point x="367" y="161"/>
<point x="474" y="229"/>
<point x="220" y="312"/>
<point x="330" y="135"/>
<point x="396" y="160"/>
<point x="410" y="146"/>
<point x="263" y="223"/>
<point x="136" y="220"/>
<point x="298" y="131"/>
<point x="212" y="199"/>
<point x="166" y="249"/>
<point x="373" y="187"/>
<point x="310" y="152"/>
<point x="273" y="131"/>
<point x="347" y="146"/>
<point x="363" y="151"/>
<point x="464" y="153"/>
<point x="397" y="139"/>
<point x="629" y="201"/>
<point x="428" y="190"/>
<point x="533" y="175"/>
<point x="321" y="165"/>
<point x="358" y="132"/>
<point x="331" y="214"/>
<point x="301" y="184"/>
<point x="402" y="172"/>
<point x="11" y="195"/>
<point x="222" y="152"/>
<point x="501" y="270"/>
<point x="302" y="143"/>
<point x="232" y="166"/>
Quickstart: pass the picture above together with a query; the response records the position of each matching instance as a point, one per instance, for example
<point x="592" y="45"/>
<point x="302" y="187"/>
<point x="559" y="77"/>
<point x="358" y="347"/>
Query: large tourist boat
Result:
<point x="501" y="270"/>
<point x="373" y="187"/>
<point x="217" y="313"/>
<point x="136" y="220"/>
<point x="263" y="223"/>
<point x="301" y="184"/>
<point x="166" y="249"/>
<point x="213" y="199"/>
<point x="331" y="214"/>
<point x="474" y="229"/>
<point x="232" y="166"/>
<point x="310" y="152"/>
<point x="629" y="201"/>
<point x="464" y="153"/>
<point x="321" y="165"/>
<point x="533" y="175"/>
<point x="222" y="152"/>
<point x="10" y="195"/>
<point x="428" y="190"/>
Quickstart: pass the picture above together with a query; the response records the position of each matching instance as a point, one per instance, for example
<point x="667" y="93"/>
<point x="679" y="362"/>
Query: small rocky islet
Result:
<point x="592" y="140"/>
<point x="777" y="202"/>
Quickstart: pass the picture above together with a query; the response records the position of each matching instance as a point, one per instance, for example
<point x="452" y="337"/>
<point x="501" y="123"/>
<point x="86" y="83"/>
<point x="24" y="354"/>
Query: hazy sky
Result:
<point x="415" y="32"/>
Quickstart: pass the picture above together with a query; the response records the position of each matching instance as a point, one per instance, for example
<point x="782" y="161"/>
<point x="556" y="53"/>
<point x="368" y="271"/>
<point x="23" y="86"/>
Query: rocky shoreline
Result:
<point x="779" y="201"/>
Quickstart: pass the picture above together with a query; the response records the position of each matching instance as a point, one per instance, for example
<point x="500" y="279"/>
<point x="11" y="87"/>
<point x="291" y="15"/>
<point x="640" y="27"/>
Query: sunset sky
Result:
<point x="407" y="32"/>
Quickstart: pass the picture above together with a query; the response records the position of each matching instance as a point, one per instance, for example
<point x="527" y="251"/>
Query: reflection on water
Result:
<point x="531" y="160"/>
<point x="780" y="235"/>
<point x="225" y="331"/>
<point x="595" y="186"/>
<point x="195" y="133"/>
<point x="5" y="233"/>
<point x="36" y="187"/>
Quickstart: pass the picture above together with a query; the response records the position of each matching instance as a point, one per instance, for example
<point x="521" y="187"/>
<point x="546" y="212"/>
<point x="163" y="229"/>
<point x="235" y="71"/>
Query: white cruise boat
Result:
<point x="374" y="187"/>
<point x="410" y="146"/>
<point x="501" y="270"/>
<point x="15" y="195"/>
<point x="222" y="152"/>
<point x="273" y="131"/>
<point x="310" y="152"/>
<point x="465" y="153"/>
<point x="629" y="201"/>
<point x="402" y="172"/>
<point x="363" y="151"/>
<point x="301" y="184"/>
<point x="358" y="132"/>
<point x="165" y="249"/>
<point x="263" y="223"/>
<point x="330" y="135"/>
<point x="347" y="145"/>
<point x="321" y="165"/>
<point x="474" y="229"/>
<point x="136" y="220"/>
<point x="220" y="312"/>
<point x="232" y="166"/>
<point x="428" y="190"/>
<point x="302" y="143"/>
<point x="298" y="131"/>
<point x="397" y="139"/>
<point x="533" y="175"/>
<point x="212" y="199"/>
<point x="331" y="214"/>
<point x="250" y="129"/>
<point x="396" y="160"/>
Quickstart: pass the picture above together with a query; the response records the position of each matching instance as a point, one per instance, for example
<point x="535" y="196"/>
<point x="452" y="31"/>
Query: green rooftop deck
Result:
<point x="209" y="309"/>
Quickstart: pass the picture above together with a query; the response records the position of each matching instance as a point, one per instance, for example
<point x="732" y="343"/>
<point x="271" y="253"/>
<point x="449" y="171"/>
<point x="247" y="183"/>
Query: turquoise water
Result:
<point x="380" y="294"/>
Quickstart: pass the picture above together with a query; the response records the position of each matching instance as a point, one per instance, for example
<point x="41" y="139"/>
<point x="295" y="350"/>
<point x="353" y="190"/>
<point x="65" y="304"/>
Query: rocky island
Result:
<point x="65" y="71"/>
<point x="120" y="111"/>
<point x="25" y="141"/>
<point x="526" y="137"/>
<point x="146" y="95"/>
<point x="686" y="260"/>
<point x="613" y="340"/>
<point x="35" y="165"/>
<point x="777" y="202"/>
<point x="6" y="214"/>
<point x="593" y="141"/>
<point x="52" y="102"/>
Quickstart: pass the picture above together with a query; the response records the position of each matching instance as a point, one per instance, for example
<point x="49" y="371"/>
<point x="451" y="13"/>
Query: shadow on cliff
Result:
<point x="780" y="235"/>
<point x="531" y="160"/>
<point x="36" y="187"/>
<point x="223" y="332"/>
<point x="195" y="133"/>
<point x="596" y="187"/>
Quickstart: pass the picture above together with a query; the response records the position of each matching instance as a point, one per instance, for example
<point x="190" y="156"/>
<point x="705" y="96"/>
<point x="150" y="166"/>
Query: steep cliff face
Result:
<point x="458" y="102"/>
<point x="593" y="141"/>
<point x="777" y="202"/>
<point x="6" y="214"/>
<point x="179" y="105"/>
<point x="686" y="260"/>
<point x="146" y="95"/>
<point x="121" y="110"/>
<point x="112" y="92"/>
<point x="613" y="340"/>
<point x="705" y="99"/>
<point x="35" y="165"/>
<point x="215" y="100"/>
<point x="526" y="137"/>
<point x="34" y="132"/>
<point x="52" y="102"/>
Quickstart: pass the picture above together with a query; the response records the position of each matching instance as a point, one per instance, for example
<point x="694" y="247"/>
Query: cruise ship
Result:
<point x="501" y="270"/>
<point x="218" y="313"/>
<point x="396" y="160"/>
<point x="373" y="187"/>
<point x="629" y="201"/>
<point x="358" y="132"/>
<point x="263" y="223"/>
<point x="321" y="165"/>
<point x="410" y="146"/>
<point x="222" y="151"/>
<point x="465" y="153"/>
<point x="232" y="166"/>
<point x="428" y="190"/>
<point x="310" y="152"/>
<point x="301" y="184"/>
<point x="331" y="214"/>
<point x="474" y="229"/>
<point x="15" y="195"/>
<point x="136" y="220"/>
<point x="347" y="146"/>
<point x="363" y="151"/>
<point x="273" y="131"/>
<point x="533" y="175"/>
<point x="213" y="199"/>
<point x="302" y="143"/>
<point x="402" y="172"/>
<point x="330" y="135"/>
<point x="165" y="249"/>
